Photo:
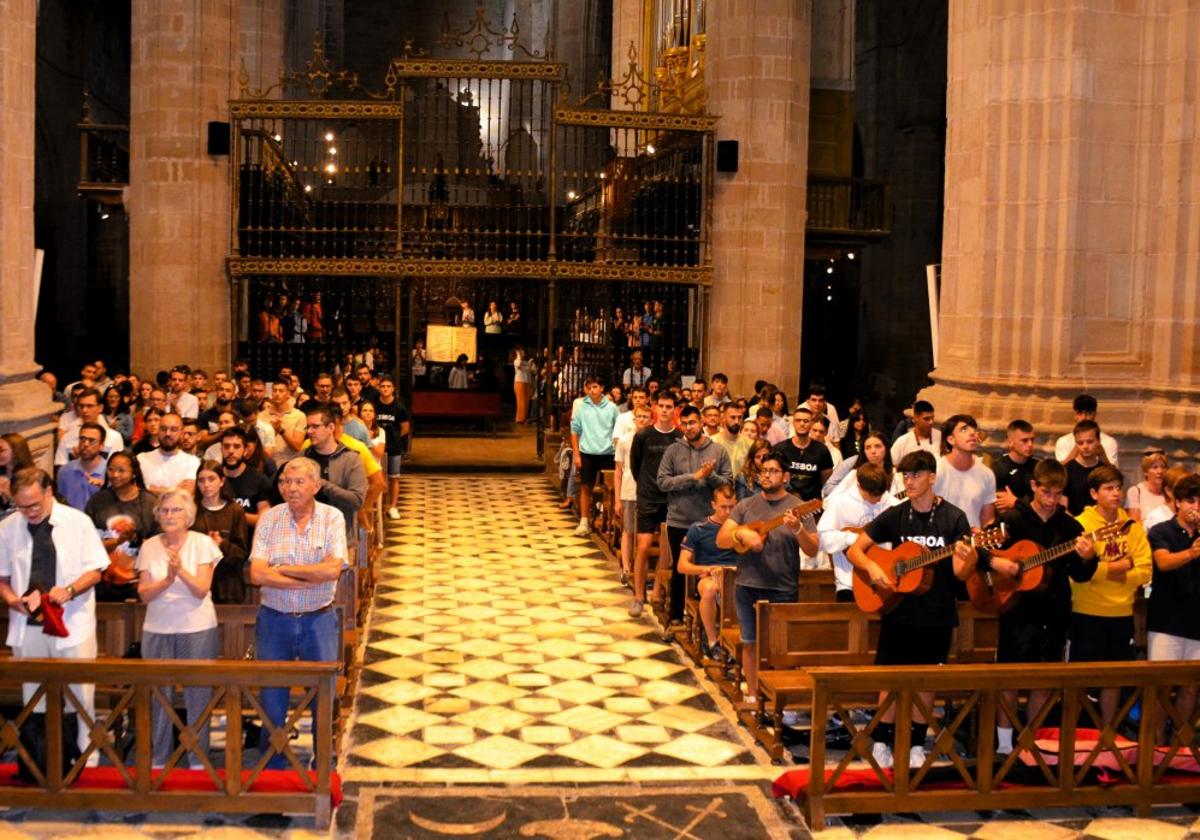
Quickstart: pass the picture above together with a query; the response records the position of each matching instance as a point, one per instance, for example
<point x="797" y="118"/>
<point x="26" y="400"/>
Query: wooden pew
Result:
<point x="1031" y="777"/>
<point x="792" y="638"/>
<point x="816" y="585"/>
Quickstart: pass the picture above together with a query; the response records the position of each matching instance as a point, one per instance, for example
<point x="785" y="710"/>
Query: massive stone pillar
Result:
<point x="25" y="404"/>
<point x="758" y="82"/>
<point x="184" y="67"/>
<point x="1071" y="260"/>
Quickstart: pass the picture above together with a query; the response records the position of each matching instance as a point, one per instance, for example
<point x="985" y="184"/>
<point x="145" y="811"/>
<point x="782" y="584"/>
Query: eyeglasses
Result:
<point x="173" y="511"/>
<point x="90" y="440"/>
<point x="31" y="507"/>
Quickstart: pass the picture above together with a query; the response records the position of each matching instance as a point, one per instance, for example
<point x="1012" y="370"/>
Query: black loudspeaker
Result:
<point x="727" y="155"/>
<point x="218" y="138"/>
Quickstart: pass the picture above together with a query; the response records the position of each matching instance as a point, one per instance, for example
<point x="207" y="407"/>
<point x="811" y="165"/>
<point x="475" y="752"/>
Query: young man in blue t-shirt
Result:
<point x="700" y="556"/>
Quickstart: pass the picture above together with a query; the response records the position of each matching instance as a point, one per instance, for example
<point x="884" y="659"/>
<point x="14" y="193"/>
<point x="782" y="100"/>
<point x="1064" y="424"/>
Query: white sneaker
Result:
<point x="636" y="608"/>
<point x="1004" y="749"/>
<point x="916" y="757"/>
<point x="583" y="529"/>
<point x="393" y="513"/>
<point x="882" y="754"/>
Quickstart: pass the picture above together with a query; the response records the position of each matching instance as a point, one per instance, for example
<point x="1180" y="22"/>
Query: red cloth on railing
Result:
<point x="268" y="781"/>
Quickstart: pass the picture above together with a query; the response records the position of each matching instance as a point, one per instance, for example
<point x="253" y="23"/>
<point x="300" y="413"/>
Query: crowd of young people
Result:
<point x="704" y="469"/>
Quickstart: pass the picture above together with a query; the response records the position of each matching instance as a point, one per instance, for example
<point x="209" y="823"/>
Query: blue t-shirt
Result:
<point x="701" y="540"/>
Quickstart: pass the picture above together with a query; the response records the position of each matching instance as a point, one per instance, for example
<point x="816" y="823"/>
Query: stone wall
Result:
<point x="758" y="82"/>
<point x="1070" y="253"/>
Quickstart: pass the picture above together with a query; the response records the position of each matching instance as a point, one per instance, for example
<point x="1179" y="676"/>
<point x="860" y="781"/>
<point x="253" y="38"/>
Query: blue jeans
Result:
<point x="311" y="637"/>
<point x="745" y="597"/>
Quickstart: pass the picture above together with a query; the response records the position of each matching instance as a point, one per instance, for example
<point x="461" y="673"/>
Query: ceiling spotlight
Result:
<point x="100" y="209"/>
<point x="570" y="195"/>
<point x="332" y="150"/>
<point x="328" y="136"/>
<point x="829" y="297"/>
<point x="308" y="188"/>
<point x="332" y="168"/>
<point x="277" y="137"/>
<point x="829" y="270"/>
<point x="650" y="148"/>
<point x="850" y="255"/>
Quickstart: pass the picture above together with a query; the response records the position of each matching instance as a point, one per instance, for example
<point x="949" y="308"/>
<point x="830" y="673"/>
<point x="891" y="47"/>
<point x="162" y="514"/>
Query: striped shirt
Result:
<point x="279" y="542"/>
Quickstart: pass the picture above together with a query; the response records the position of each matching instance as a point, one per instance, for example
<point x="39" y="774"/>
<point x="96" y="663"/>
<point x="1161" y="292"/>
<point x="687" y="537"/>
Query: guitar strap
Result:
<point x="937" y="500"/>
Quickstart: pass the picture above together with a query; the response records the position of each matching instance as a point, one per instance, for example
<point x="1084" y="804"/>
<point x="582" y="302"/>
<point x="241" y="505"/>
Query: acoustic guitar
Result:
<point x="996" y="594"/>
<point x="910" y="566"/>
<point x="764" y="527"/>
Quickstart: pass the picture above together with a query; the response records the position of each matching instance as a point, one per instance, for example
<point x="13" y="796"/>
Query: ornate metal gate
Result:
<point x="371" y="208"/>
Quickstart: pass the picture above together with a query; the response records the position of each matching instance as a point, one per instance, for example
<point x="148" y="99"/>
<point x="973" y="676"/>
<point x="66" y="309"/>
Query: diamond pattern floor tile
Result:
<point x="503" y="643"/>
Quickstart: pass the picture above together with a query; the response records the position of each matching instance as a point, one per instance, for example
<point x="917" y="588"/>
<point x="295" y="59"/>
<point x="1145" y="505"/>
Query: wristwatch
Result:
<point x="71" y="590"/>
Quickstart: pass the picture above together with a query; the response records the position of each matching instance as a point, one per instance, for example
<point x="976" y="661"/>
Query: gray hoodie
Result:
<point x="689" y="500"/>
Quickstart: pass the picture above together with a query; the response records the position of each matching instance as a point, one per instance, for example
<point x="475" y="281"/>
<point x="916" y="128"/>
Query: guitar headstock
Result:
<point x="1113" y="529"/>
<point x="993" y="537"/>
<point x="807" y="507"/>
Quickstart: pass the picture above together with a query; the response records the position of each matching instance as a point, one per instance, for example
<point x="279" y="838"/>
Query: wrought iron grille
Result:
<point x="598" y="328"/>
<point x="315" y="324"/>
<point x="633" y="195"/>
<point x="317" y="186"/>
<point x="476" y="169"/>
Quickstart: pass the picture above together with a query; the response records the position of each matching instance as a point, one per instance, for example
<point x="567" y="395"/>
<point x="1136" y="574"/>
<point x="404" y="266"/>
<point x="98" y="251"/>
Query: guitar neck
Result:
<point x="923" y="560"/>
<point x="1047" y="555"/>
<point x="770" y="525"/>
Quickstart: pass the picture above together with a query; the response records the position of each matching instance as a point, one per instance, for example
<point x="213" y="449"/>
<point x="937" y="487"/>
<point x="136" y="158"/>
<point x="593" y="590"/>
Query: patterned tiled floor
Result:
<point x="500" y="650"/>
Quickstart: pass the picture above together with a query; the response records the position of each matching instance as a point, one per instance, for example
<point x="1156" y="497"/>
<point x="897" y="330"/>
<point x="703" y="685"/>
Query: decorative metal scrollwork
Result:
<point x="480" y="38"/>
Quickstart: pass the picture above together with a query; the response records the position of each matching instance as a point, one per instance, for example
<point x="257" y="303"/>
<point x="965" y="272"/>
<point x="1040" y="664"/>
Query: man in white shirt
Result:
<point x="169" y="466"/>
<point x="625" y="486"/>
<point x="182" y="401"/>
<point x="820" y="432"/>
<point x="720" y="392"/>
<point x="822" y="407"/>
<point x="87" y="410"/>
<point x="50" y="551"/>
<point x="921" y="436"/>
<point x="962" y="479"/>
<point x="636" y="373"/>
<point x="626" y="420"/>
<point x="868" y="498"/>
<point x="1085" y="407"/>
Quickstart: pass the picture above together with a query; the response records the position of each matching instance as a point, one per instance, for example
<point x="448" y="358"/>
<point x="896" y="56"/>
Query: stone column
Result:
<point x="261" y="46"/>
<point x="184" y="66"/>
<point x="758" y="82"/>
<point x="25" y="404"/>
<point x="1070" y="256"/>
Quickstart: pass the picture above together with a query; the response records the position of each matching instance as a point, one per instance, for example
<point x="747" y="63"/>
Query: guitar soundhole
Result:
<point x="900" y="569"/>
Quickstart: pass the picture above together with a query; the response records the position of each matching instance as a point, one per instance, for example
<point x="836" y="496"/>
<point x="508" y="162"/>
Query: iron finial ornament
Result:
<point x="480" y="38"/>
<point x="637" y="92"/>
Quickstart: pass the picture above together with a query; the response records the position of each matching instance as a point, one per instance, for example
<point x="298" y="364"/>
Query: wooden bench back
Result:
<point x="807" y="634"/>
<point x="816" y="586"/>
<point x="119" y="625"/>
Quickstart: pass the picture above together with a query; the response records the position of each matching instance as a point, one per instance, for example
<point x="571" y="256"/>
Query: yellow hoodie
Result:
<point x="1110" y="598"/>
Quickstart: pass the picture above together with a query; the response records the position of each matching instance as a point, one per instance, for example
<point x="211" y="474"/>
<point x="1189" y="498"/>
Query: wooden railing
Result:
<point x="236" y="686"/>
<point x="969" y="700"/>
<point x="848" y="206"/>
